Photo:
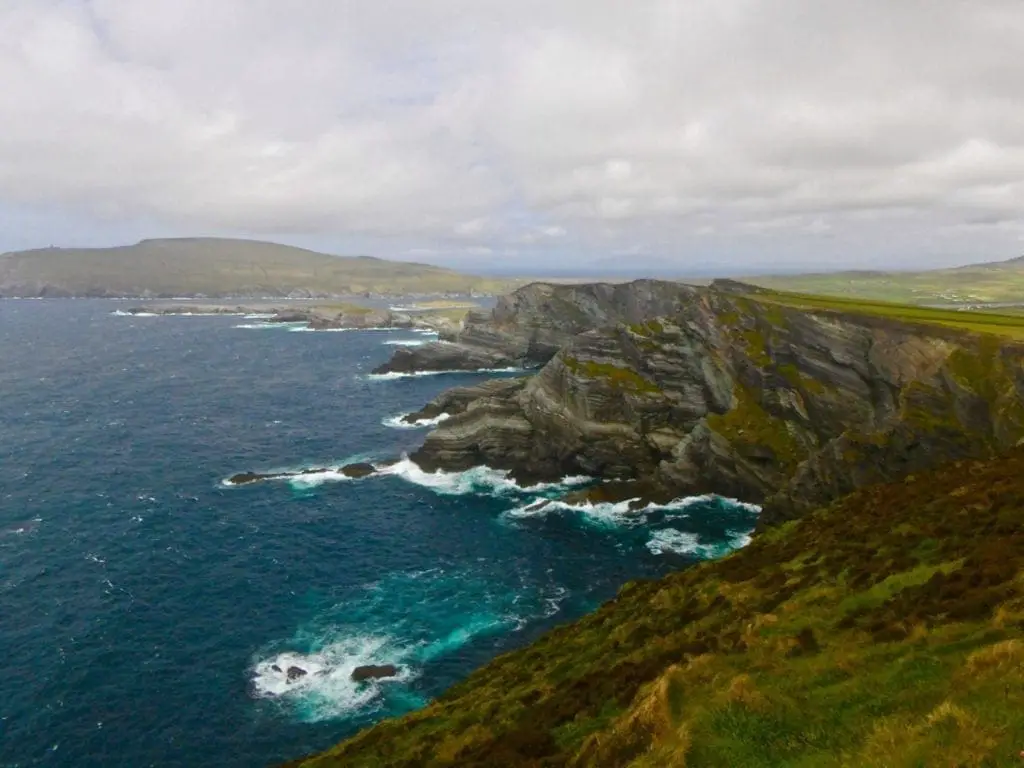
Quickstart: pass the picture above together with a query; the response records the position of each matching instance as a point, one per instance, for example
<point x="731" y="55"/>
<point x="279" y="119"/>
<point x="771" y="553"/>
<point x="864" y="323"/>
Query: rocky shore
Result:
<point x="679" y="390"/>
<point x="315" y="316"/>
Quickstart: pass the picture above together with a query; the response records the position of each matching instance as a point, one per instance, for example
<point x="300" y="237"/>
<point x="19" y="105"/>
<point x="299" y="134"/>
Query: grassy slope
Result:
<point x="1005" y="323"/>
<point x="211" y="266"/>
<point x="996" y="282"/>
<point x="884" y="630"/>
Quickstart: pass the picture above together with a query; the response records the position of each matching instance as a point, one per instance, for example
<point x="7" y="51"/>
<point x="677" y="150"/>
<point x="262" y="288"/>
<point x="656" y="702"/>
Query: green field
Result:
<point x="1007" y="323"/>
<point x="998" y="282"/>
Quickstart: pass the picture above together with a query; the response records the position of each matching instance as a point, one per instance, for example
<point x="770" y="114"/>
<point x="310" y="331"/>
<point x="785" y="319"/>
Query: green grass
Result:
<point x="884" y="630"/>
<point x="1006" y="324"/>
<point x="997" y="282"/>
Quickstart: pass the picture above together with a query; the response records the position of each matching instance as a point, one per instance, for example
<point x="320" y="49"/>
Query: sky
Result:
<point x="657" y="136"/>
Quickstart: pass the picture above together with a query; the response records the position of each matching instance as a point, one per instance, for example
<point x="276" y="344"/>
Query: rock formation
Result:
<point x="528" y="327"/>
<point x="691" y="390"/>
<point x="373" y="672"/>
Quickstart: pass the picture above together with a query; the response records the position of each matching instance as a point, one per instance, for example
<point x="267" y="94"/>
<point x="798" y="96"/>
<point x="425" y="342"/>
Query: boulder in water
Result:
<point x="374" y="672"/>
<point x="275" y="667"/>
<point x="361" y="469"/>
<point x="294" y="673"/>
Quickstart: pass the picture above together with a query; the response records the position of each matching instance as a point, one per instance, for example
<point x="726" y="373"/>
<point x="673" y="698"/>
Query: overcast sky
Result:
<point x="689" y="136"/>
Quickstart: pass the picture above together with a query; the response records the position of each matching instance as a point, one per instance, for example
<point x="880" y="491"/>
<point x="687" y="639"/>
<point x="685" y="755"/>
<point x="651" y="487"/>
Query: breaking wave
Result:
<point x="392" y="375"/>
<point x="398" y="422"/>
<point x="407" y="619"/>
<point x="625" y="513"/>
<point x="671" y="540"/>
<point x="481" y="480"/>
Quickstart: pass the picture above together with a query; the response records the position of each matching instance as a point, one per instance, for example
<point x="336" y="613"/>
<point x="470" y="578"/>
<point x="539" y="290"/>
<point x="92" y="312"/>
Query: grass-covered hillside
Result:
<point x="218" y="267"/>
<point x="994" y="282"/>
<point x="884" y="630"/>
<point x="1006" y="323"/>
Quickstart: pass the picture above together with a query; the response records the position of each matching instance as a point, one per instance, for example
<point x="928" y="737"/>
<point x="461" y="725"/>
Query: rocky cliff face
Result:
<point x="692" y="390"/>
<point x="528" y="327"/>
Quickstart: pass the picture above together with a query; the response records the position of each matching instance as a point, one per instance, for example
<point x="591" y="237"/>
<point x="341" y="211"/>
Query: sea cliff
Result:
<point x="725" y="389"/>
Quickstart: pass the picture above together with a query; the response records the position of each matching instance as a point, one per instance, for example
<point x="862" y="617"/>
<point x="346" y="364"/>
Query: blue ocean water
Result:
<point x="143" y="604"/>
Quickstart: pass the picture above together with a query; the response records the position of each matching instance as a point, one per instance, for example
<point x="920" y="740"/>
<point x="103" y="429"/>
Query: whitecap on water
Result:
<point x="407" y="619"/>
<point x="406" y="342"/>
<point x="392" y="375"/>
<point x="327" y="690"/>
<point x="398" y="422"/>
<point x="269" y="326"/>
<point x="481" y="479"/>
<point x="622" y="513"/>
<point x="670" y="540"/>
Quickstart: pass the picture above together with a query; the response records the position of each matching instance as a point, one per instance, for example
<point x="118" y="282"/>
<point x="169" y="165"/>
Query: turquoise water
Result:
<point x="144" y="604"/>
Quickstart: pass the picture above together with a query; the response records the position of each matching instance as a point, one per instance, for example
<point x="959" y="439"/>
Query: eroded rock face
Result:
<point x="720" y="392"/>
<point x="528" y="327"/>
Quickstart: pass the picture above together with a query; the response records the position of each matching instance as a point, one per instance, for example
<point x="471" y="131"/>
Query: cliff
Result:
<point x="884" y="630"/>
<point x="750" y="395"/>
<point x="528" y="327"/>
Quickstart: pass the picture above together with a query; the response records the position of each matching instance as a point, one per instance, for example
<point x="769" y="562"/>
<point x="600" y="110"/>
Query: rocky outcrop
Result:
<point x="528" y="327"/>
<point x="692" y="390"/>
<point x="373" y="672"/>
<point x="456" y="400"/>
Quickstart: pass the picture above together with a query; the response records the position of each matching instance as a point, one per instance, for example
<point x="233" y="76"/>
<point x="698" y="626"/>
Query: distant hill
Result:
<point x="220" y="267"/>
<point x="997" y="282"/>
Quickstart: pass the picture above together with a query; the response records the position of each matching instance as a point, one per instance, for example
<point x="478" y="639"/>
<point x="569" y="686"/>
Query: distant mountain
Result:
<point x="994" y="282"/>
<point x="219" y="268"/>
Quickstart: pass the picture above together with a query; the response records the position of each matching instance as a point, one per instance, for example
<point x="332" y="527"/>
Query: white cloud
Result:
<point x="456" y="124"/>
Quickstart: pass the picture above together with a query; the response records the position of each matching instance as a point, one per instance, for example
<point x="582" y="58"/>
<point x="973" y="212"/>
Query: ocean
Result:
<point x="144" y="603"/>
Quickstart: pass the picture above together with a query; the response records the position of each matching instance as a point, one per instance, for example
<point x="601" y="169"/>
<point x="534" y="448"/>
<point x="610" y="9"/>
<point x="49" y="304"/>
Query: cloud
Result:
<point x="684" y="130"/>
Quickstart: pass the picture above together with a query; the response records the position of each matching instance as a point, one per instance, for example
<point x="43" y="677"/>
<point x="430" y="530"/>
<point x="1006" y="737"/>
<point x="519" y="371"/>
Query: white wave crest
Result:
<point x="392" y="375"/>
<point x="476" y="480"/>
<point x="670" y="540"/>
<point x="327" y="690"/>
<point x="121" y="313"/>
<point x="620" y="513"/>
<point x="269" y="326"/>
<point x="406" y="342"/>
<point x="398" y="422"/>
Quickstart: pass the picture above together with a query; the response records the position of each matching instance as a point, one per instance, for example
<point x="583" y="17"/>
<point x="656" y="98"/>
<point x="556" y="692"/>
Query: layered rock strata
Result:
<point x="692" y="390"/>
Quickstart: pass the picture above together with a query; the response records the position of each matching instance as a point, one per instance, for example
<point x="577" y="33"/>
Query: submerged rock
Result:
<point x="294" y="673"/>
<point x="374" y="672"/>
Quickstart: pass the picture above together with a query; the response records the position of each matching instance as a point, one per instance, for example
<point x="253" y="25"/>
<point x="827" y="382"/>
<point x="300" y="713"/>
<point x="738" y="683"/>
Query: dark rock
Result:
<point x="275" y="667"/>
<point x="246" y="477"/>
<point x="358" y="470"/>
<point x="374" y="672"/>
<point x="294" y="673"/>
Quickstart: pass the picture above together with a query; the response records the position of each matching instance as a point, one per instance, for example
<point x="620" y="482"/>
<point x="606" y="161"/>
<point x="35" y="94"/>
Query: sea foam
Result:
<point x="482" y="480"/>
<point x="621" y="513"/>
<point x="671" y="540"/>
<point x="398" y="422"/>
<point x="392" y="375"/>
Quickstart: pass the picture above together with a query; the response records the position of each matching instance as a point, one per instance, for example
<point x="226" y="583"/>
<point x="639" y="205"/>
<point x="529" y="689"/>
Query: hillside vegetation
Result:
<point x="886" y="629"/>
<point x="995" y="282"/>
<point x="214" y="267"/>
<point x="1008" y="323"/>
